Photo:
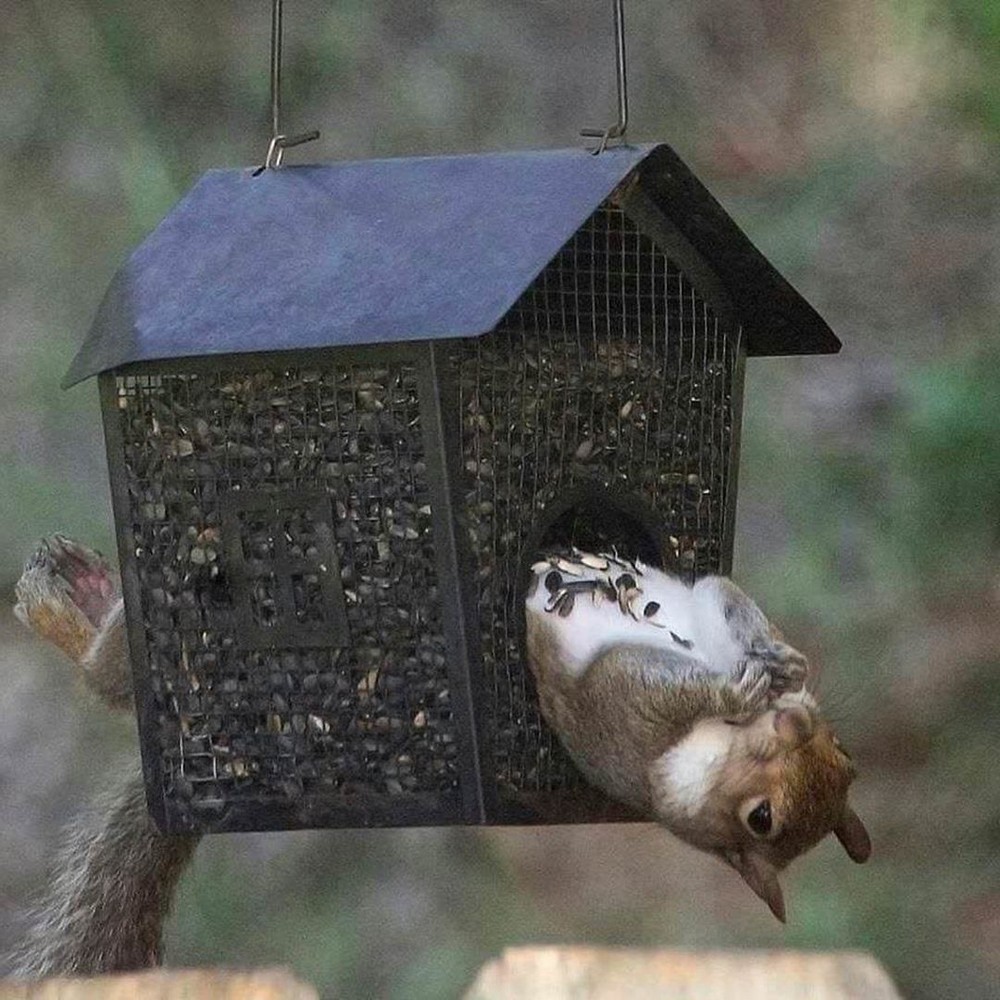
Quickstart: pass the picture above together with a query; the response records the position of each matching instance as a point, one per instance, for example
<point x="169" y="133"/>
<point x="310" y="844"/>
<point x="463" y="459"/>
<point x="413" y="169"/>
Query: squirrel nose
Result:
<point x="793" y="725"/>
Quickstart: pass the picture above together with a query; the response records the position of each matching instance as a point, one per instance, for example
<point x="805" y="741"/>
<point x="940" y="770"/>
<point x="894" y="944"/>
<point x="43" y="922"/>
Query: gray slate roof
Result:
<point x="404" y="249"/>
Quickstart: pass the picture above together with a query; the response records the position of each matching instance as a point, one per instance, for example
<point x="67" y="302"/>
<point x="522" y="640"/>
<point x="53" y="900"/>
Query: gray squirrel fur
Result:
<point x="681" y="700"/>
<point x="115" y="876"/>
<point x="114" y="882"/>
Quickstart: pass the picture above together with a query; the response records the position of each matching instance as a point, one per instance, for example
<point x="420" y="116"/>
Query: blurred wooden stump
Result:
<point x="581" y="973"/>
<point x="183" y="984"/>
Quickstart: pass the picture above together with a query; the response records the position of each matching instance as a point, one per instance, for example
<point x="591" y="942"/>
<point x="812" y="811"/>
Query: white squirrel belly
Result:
<point x="711" y="633"/>
<point x="660" y="610"/>
<point x="590" y="628"/>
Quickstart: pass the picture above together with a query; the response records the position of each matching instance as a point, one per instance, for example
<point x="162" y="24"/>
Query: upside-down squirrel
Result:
<point x="678" y="700"/>
<point x="682" y="701"/>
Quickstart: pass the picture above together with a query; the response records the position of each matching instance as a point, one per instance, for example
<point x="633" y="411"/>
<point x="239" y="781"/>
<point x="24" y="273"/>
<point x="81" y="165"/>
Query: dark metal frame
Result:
<point x="152" y="762"/>
<point x="480" y="802"/>
<point x="442" y="437"/>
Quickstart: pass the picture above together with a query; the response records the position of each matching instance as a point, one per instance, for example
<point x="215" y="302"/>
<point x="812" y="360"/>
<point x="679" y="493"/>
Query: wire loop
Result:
<point x="279" y="141"/>
<point x="616" y="131"/>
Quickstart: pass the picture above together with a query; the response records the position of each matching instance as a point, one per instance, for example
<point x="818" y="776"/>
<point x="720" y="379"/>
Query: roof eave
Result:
<point x="776" y="319"/>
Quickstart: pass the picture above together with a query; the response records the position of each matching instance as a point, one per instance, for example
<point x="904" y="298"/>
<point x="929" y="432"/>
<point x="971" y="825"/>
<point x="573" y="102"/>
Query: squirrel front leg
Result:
<point x="765" y="651"/>
<point x="116" y="876"/>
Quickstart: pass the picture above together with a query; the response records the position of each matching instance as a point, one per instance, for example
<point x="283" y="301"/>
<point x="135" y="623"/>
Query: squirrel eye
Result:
<point x="759" y="818"/>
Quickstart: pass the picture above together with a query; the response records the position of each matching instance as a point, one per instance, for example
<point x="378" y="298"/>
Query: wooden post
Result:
<point x="581" y="973"/>
<point x="184" y="984"/>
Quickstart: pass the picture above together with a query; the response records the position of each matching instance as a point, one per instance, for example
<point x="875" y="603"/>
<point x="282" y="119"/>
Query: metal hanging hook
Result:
<point x="616" y="131"/>
<point x="279" y="141"/>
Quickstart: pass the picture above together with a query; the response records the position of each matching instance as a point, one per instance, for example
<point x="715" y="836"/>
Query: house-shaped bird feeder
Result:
<point x="346" y="406"/>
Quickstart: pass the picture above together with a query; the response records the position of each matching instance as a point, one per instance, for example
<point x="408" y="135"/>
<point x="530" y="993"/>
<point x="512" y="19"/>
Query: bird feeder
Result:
<point x="345" y="407"/>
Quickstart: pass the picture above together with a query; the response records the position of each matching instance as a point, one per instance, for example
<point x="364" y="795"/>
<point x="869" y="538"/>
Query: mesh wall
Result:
<point x="611" y="372"/>
<point x="281" y="530"/>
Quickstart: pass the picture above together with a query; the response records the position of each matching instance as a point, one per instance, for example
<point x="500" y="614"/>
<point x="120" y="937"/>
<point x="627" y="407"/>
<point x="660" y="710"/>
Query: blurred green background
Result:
<point x="857" y="142"/>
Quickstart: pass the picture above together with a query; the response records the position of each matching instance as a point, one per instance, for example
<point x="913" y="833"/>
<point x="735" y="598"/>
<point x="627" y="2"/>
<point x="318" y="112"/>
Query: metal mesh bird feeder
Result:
<point x="346" y="405"/>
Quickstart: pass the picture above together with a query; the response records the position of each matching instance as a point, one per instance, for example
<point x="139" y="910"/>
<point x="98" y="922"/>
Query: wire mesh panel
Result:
<point x="607" y="392"/>
<point x="278" y="528"/>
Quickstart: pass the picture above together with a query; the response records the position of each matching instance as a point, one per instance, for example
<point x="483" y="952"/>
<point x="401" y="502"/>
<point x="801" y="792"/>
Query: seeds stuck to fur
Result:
<point x="627" y="593"/>
<point x="631" y="599"/>
<point x="565" y="596"/>
<point x="686" y="643"/>
<point x="553" y="581"/>
<point x="650" y="609"/>
<point x="562" y="603"/>
<point x="594" y="562"/>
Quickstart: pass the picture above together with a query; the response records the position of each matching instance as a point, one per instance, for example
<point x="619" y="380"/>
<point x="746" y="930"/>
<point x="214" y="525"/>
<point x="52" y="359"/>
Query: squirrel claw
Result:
<point x="752" y="680"/>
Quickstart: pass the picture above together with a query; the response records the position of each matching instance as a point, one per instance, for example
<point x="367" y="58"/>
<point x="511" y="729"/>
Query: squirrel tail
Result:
<point x="112" y="886"/>
<point x="112" y="889"/>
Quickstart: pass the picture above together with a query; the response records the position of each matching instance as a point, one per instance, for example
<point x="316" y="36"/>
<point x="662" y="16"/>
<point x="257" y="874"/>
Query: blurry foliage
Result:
<point x="856" y="142"/>
<point x="909" y="510"/>
<point x="978" y="21"/>
<point x="945" y="462"/>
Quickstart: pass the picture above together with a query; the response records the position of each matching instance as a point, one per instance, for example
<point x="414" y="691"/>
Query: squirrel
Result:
<point x="682" y="701"/>
<point x="116" y="874"/>
<point x="685" y="703"/>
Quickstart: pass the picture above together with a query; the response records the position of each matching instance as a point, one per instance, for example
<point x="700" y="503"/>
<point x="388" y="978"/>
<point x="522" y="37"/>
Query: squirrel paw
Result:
<point x="65" y="594"/>
<point x="752" y="681"/>
<point x="787" y="666"/>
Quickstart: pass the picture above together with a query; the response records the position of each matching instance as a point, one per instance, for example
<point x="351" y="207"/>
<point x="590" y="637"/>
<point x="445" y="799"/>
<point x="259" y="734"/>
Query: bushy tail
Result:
<point x="113" y="885"/>
<point x="116" y="875"/>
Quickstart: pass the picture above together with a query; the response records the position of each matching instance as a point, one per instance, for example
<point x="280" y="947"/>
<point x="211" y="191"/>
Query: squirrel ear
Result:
<point x="762" y="877"/>
<point x="852" y="834"/>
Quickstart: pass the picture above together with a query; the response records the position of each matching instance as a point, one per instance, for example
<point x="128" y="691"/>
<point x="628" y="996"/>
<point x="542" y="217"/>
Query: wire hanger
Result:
<point x="279" y="140"/>
<point x="616" y="131"/>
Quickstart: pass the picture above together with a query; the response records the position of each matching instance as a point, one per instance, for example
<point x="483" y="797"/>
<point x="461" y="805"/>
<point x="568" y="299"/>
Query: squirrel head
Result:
<point x="759" y="791"/>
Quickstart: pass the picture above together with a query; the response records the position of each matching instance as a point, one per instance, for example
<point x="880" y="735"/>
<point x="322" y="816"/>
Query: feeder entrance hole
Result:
<point x="599" y="521"/>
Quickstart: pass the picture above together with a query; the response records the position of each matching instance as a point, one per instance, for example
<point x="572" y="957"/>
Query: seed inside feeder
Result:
<point x="305" y="727"/>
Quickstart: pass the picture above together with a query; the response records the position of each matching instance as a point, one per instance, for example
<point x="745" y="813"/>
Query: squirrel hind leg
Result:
<point x="70" y="595"/>
<point x="66" y="592"/>
<point x="104" y="908"/>
<point x="46" y="598"/>
<point x="94" y="585"/>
